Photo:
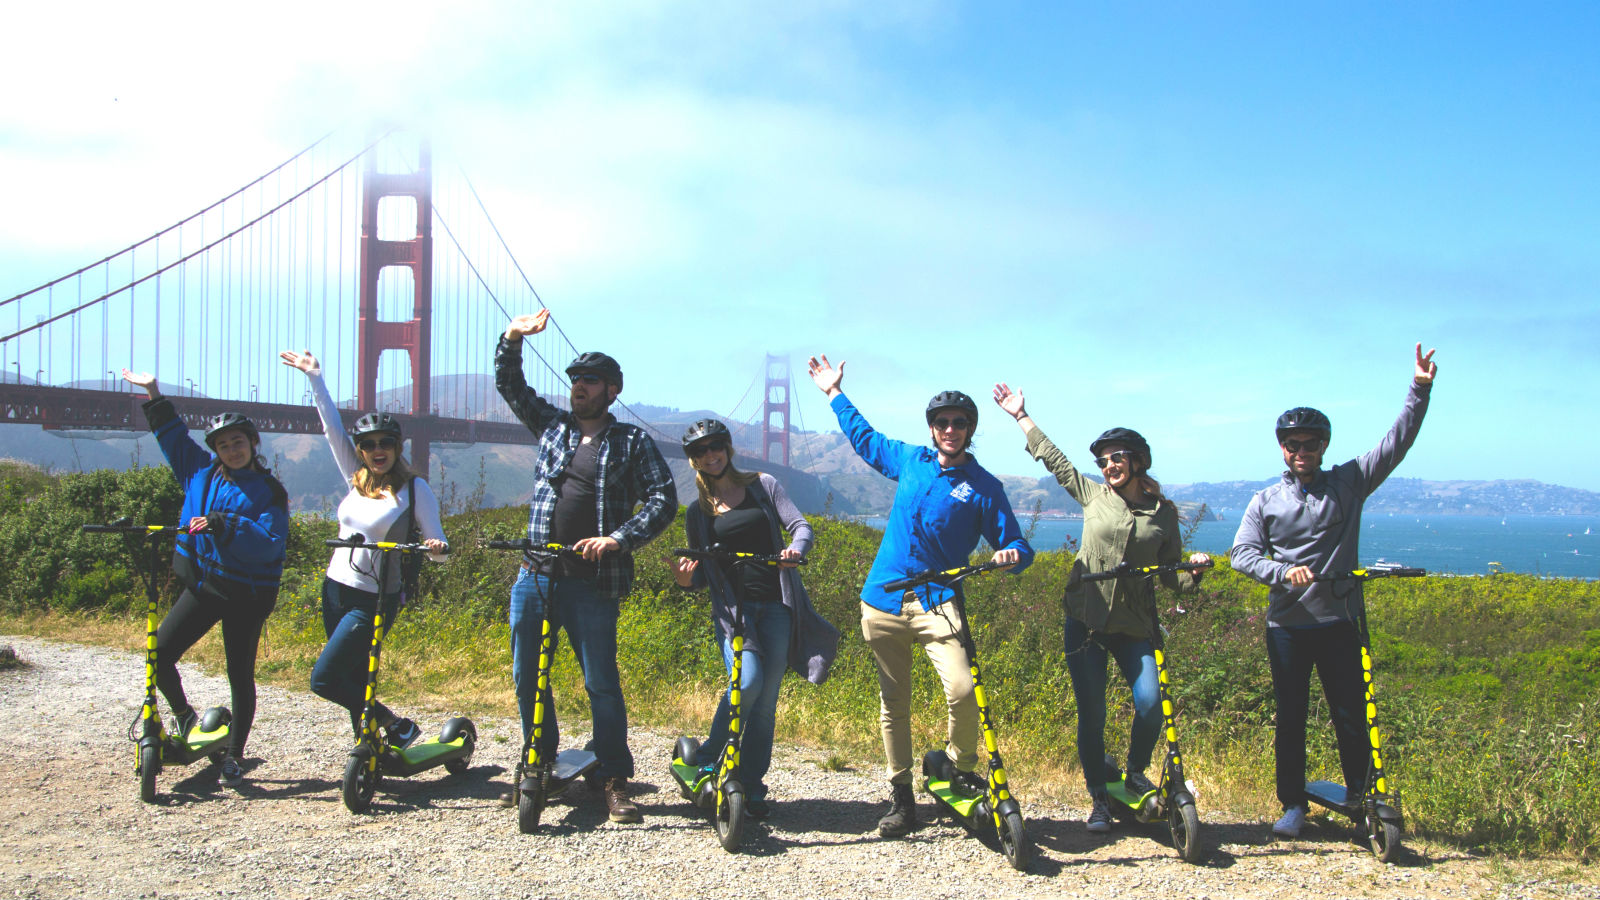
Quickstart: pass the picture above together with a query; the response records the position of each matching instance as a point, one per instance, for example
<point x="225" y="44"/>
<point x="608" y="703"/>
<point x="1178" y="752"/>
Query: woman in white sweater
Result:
<point x="386" y="502"/>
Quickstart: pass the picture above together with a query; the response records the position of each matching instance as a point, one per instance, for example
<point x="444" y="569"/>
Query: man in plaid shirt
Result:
<point x="591" y="472"/>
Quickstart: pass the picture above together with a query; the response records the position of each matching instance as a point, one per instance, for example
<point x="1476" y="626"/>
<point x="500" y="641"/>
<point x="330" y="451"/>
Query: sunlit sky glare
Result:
<point x="1177" y="217"/>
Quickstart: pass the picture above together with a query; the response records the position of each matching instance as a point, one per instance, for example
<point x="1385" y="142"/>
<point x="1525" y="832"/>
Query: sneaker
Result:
<point x="1136" y="784"/>
<point x="618" y="805"/>
<point x="970" y="784"/>
<point x="402" y="733"/>
<point x="902" y="814"/>
<point x="1099" y="821"/>
<point x="183" y="723"/>
<point x="757" y="808"/>
<point x="1289" y="826"/>
<point x="232" y="773"/>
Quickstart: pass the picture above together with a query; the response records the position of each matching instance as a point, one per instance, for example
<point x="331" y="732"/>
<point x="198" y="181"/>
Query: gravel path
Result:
<point x="73" y="824"/>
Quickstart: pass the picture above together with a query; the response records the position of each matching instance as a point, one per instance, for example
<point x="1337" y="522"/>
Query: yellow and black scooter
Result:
<point x="995" y="812"/>
<point x="207" y="737"/>
<point x="539" y="778"/>
<point x="373" y="757"/>
<point x="1171" y="799"/>
<point x="717" y="788"/>
<point x="1376" y="809"/>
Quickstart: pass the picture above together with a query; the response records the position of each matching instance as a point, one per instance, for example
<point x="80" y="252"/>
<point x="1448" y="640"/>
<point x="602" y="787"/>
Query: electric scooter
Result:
<point x="718" y="788"/>
<point x="207" y="738"/>
<point x="539" y="780"/>
<point x="1171" y="798"/>
<point x="373" y="757"/>
<point x="1377" y="808"/>
<point x="996" y="811"/>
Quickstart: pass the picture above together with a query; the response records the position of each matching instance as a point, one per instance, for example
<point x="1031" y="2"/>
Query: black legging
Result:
<point x="242" y="615"/>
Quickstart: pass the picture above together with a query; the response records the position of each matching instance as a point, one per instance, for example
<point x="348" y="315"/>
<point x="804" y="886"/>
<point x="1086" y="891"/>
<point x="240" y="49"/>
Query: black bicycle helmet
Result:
<point x="223" y="421"/>
<point x="1304" y="418"/>
<point x="374" y="422"/>
<point x="598" y="363"/>
<point x="953" y="400"/>
<point x="1127" y="437"/>
<point x="706" y="428"/>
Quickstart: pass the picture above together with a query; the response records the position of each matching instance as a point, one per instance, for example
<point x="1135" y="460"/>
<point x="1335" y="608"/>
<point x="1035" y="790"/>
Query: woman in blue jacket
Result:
<point x="229" y="561"/>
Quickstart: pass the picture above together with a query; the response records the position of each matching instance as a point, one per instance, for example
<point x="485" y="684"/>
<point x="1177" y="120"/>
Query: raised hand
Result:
<point x="1009" y="400"/>
<point x="824" y="375"/>
<point x="303" y="361"/>
<point x="522" y="326"/>
<point x="143" y="380"/>
<point x="1426" y="367"/>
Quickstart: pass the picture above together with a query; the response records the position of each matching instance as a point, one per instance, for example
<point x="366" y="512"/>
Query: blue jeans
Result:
<point x="591" y="625"/>
<point x="340" y="673"/>
<point x="1087" y="656"/>
<point x="765" y="659"/>
<point x="1335" y="651"/>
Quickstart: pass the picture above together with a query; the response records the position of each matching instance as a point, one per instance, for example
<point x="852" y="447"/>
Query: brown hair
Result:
<point x="737" y="477"/>
<point x="371" y="485"/>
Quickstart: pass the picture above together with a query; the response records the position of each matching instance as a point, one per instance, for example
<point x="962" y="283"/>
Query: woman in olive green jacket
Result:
<point x="1124" y="520"/>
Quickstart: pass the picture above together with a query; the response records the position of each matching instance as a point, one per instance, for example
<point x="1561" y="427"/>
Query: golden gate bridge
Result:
<point x="336" y="245"/>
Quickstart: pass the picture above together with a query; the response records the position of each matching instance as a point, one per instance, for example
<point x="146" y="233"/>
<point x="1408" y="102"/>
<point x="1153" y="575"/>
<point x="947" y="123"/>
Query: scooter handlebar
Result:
<point x="1377" y="570"/>
<point x="547" y="549"/>
<point x="360" y="542"/>
<point x="716" y="554"/>
<point x="960" y="573"/>
<point x="1127" y="569"/>
<point x="123" y="526"/>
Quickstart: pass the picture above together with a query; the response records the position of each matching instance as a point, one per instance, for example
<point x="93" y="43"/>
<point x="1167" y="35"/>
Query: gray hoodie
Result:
<point x="1289" y="524"/>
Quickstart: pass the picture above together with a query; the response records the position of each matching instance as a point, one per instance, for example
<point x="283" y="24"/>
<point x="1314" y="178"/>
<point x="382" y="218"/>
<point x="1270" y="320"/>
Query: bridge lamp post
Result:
<point x="252" y="393"/>
<point x="112" y="375"/>
<point x="194" y="389"/>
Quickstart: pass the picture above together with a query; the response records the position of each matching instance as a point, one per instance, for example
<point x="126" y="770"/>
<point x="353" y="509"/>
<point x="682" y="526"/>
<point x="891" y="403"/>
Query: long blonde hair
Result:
<point x="371" y="485"/>
<point x="742" y="479"/>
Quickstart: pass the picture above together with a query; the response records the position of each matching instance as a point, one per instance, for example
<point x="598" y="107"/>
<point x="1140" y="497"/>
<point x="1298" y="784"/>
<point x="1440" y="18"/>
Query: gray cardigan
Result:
<point x="813" y="641"/>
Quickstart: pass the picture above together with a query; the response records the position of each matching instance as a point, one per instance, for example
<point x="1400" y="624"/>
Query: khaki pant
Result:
<point x="891" y="636"/>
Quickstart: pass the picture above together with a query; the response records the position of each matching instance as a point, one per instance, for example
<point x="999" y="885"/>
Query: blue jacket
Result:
<point x="253" y="507"/>
<point x="938" y="514"/>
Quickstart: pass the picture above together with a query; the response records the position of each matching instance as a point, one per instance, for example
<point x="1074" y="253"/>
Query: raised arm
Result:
<point x="533" y="410"/>
<point x="1377" y="463"/>
<point x="172" y="435"/>
<point x="877" y="451"/>
<point x="344" y="451"/>
<point x="1042" y="448"/>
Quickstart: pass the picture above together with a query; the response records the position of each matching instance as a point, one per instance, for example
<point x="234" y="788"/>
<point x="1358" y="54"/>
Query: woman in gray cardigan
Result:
<point x="743" y="512"/>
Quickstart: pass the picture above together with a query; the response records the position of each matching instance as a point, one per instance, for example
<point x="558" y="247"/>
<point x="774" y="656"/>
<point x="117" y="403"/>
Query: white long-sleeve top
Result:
<point x="381" y="518"/>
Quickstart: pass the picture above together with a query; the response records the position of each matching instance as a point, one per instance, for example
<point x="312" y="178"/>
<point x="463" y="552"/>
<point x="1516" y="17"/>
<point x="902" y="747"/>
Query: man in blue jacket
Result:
<point x="1309" y="524"/>
<point x="943" y="503"/>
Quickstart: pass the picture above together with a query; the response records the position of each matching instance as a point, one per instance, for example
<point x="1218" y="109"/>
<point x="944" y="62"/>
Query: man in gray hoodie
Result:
<point x="1306" y="525"/>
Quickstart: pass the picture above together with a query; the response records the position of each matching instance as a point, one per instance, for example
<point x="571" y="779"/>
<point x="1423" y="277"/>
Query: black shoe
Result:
<point x="1100" y="816"/>
<point x="969" y="784"/>
<point x="757" y="808"/>
<point x="183" y="723"/>
<point x="902" y="815"/>
<point x="1136" y="784"/>
<point x="402" y="733"/>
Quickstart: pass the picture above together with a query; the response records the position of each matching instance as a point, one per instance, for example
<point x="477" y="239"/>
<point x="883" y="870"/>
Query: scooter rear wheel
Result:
<point x="728" y="817"/>
<point x="1185" y="824"/>
<point x="1014" y="841"/>
<point x="1384" y="837"/>
<point x="360" y="783"/>
<point x="149" y="768"/>
<point x="530" y="804"/>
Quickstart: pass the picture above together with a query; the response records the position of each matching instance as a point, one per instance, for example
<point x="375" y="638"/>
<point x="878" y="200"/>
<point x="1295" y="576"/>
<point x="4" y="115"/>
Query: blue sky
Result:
<point x="1181" y="218"/>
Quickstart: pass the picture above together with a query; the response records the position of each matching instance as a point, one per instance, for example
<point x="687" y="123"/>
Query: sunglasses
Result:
<point x="945" y="422"/>
<point x="586" y="378"/>
<point x="383" y="443"/>
<point x="698" y="450"/>
<point x="1119" y="456"/>
<point x="1309" y="445"/>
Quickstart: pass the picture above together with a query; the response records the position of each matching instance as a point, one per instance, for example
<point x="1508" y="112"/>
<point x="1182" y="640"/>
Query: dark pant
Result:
<point x="1335" y="651"/>
<point x="242" y="613"/>
<point x="340" y="674"/>
<point x="1088" y="655"/>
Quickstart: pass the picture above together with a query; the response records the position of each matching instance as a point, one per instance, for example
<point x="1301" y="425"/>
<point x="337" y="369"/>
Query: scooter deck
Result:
<point x="198" y="745"/>
<point x="960" y="804"/>
<point x="431" y="751"/>
<point x="574" y="763"/>
<point x="1331" y="795"/>
<point x="1136" y="802"/>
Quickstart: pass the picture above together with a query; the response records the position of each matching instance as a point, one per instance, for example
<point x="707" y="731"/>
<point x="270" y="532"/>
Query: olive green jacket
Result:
<point x="1113" y="531"/>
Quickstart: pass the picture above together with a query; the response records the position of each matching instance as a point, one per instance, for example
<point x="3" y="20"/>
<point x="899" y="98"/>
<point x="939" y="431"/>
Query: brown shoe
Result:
<point x="621" y="808"/>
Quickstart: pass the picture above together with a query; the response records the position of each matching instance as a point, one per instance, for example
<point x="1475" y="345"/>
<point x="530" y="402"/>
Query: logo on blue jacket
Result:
<point x="962" y="492"/>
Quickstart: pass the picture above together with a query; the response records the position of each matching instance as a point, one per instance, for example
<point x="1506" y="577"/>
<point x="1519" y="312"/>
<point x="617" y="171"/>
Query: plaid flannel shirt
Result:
<point x="631" y="472"/>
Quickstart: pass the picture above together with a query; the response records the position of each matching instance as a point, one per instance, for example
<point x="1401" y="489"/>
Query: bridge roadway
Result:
<point x="78" y="409"/>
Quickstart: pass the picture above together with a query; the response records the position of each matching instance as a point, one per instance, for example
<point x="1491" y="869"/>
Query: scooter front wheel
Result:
<point x="1384" y="837"/>
<point x="360" y="783"/>
<point x="530" y="804"/>
<point x="149" y="768"/>
<point x="1014" y="841"/>
<point x="728" y="817"/>
<point x="1185" y="824"/>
